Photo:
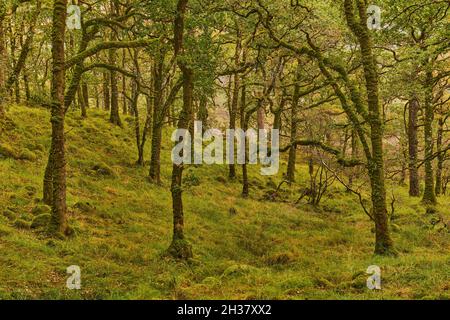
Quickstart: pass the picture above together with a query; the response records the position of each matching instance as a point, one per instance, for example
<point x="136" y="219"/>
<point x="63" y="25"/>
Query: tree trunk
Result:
<point x="114" y="114"/>
<point x="383" y="241"/>
<point x="106" y="95"/>
<point x="137" y="127"/>
<point x="413" y="146"/>
<point x="47" y="195"/>
<point x="290" y="175"/>
<point x="112" y="59"/>
<point x="58" y="159"/>
<point x="235" y="96"/>
<point x="2" y="58"/>
<point x="124" y="85"/>
<point x="429" y="197"/>
<point x="81" y="103"/>
<point x="440" y="157"/>
<point x="26" y="85"/>
<point x="244" y="126"/>
<point x="203" y="112"/>
<point x="97" y="100"/>
<point x="179" y="247"/>
<point x="85" y="91"/>
<point x="158" y="119"/>
<point x="147" y="127"/>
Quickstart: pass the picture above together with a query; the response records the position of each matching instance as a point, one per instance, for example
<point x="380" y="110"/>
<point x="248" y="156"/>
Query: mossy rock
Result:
<point x="7" y="151"/>
<point x="103" y="169"/>
<point x="431" y="210"/>
<point x="4" y="232"/>
<point x="271" y="184"/>
<point x="180" y="249"/>
<point x="22" y="224"/>
<point x="41" y="221"/>
<point x="212" y="281"/>
<point x="41" y="209"/>
<point x="395" y="227"/>
<point x="221" y="179"/>
<point x="31" y="190"/>
<point x="27" y="155"/>
<point x="279" y="259"/>
<point x="11" y="215"/>
<point x="237" y="269"/>
<point x="85" y="207"/>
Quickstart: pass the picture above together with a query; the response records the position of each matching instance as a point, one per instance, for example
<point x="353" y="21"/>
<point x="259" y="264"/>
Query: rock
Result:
<point x="11" y="215"/>
<point x="31" y="190"/>
<point x="221" y="179"/>
<point x="84" y="207"/>
<point x="271" y="184"/>
<point x="41" y="221"/>
<point x="7" y="151"/>
<point x="279" y="259"/>
<point x="237" y="269"/>
<point x="103" y="169"/>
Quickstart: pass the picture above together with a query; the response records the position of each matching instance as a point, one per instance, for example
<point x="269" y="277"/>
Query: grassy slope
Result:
<point x="266" y="250"/>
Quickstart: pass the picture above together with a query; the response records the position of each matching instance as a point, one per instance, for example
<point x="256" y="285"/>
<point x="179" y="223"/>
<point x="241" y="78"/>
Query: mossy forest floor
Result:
<point x="243" y="248"/>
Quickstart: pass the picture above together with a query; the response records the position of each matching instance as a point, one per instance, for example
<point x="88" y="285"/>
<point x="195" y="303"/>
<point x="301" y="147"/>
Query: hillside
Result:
<point x="243" y="248"/>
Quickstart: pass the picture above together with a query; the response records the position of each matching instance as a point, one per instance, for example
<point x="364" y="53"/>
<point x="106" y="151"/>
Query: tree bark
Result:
<point x="58" y="159"/>
<point x="2" y="58"/>
<point x="158" y="119"/>
<point x="124" y="85"/>
<point x="440" y="157"/>
<point x="429" y="197"/>
<point x="81" y="103"/>
<point x="413" y="146"/>
<point x="383" y="241"/>
<point x="290" y="175"/>
<point x="114" y="114"/>
<point x="244" y="126"/>
<point x="235" y="95"/>
<point x="106" y="95"/>
<point x="179" y="247"/>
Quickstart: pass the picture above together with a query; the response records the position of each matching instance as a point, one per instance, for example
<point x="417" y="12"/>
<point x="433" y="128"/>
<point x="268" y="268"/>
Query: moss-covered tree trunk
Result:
<point x="158" y="119"/>
<point x="85" y="91"/>
<point x="3" y="58"/>
<point x="106" y="94"/>
<point x="81" y="103"/>
<point x="413" y="147"/>
<point x="429" y="197"/>
<point x="179" y="247"/>
<point x="47" y="195"/>
<point x="124" y="85"/>
<point x="147" y="128"/>
<point x="383" y="241"/>
<point x="58" y="159"/>
<point x="290" y="175"/>
<point x="440" y="157"/>
<point x="235" y="95"/>
<point x="114" y="117"/>
<point x="244" y="126"/>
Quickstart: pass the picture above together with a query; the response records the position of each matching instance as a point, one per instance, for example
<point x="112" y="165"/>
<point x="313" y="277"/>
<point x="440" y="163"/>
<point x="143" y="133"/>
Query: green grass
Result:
<point x="266" y="250"/>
